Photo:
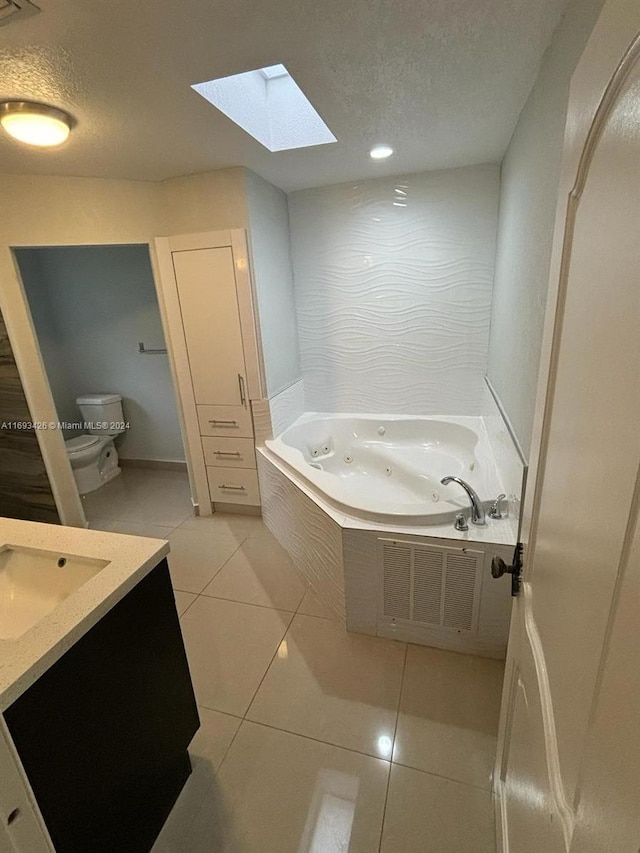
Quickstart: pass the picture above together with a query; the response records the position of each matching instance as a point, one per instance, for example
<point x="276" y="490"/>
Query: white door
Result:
<point x="211" y="318"/>
<point x="582" y="508"/>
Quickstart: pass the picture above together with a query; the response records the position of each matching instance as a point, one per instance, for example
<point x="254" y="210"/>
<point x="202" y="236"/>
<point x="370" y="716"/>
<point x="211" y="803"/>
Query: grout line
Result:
<point x="246" y="719"/>
<point x="196" y="597"/>
<point x="264" y="675"/>
<point x="231" y="742"/>
<point x="325" y="618"/>
<point x="442" y="776"/>
<point x="250" y="603"/>
<point x="307" y="588"/>
<point x="393" y="744"/>
<point x="311" y="738"/>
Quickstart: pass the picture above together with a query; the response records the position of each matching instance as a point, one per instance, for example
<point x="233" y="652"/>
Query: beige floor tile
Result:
<point x="259" y="572"/>
<point x="312" y="606"/>
<point x="427" y="814"/>
<point x="279" y="793"/>
<point x="100" y="523"/>
<point x="240" y="526"/>
<point x="195" y="558"/>
<point x="106" y="502"/>
<point x="164" y="507"/>
<point x="334" y="686"/>
<point x="449" y="714"/>
<point x="142" y="495"/>
<point x="229" y="647"/>
<point x="183" y="600"/>
<point x="207" y="749"/>
<point x="154" y="531"/>
<point x="213" y="738"/>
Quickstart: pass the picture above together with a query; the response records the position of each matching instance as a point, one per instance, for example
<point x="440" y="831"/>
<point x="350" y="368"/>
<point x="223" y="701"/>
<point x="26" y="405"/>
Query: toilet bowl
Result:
<point x="93" y="457"/>
<point x="94" y="461"/>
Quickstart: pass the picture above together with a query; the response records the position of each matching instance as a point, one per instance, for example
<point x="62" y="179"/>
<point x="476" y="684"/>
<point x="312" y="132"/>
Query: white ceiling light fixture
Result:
<point x="268" y="104"/>
<point x="381" y="152"/>
<point x="35" y="124"/>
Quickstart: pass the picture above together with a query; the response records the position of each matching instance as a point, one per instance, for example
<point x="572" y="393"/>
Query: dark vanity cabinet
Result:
<point x="103" y="734"/>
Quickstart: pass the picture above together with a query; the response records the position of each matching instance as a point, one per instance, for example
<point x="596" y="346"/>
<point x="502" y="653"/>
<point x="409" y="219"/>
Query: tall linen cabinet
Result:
<point x="207" y="301"/>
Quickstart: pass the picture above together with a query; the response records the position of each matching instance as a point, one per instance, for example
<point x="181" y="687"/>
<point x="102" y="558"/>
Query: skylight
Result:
<point x="268" y="104"/>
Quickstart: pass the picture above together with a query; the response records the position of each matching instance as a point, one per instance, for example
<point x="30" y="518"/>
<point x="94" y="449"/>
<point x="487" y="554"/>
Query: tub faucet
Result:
<point x="477" y="510"/>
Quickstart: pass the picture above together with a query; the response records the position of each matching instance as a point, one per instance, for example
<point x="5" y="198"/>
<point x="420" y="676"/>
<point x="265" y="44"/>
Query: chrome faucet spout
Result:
<point x="477" y="510"/>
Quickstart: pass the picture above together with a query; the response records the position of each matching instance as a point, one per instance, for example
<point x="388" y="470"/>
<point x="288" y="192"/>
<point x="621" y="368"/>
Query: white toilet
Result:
<point x="93" y="457"/>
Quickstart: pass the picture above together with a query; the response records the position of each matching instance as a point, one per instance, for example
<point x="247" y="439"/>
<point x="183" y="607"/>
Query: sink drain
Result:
<point x="62" y="562"/>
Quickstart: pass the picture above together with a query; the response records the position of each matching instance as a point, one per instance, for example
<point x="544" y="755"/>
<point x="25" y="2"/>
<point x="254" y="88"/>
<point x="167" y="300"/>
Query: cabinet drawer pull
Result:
<point x="224" y="423"/>
<point x="227" y="453"/>
<point x="243" y="396"/>
<point x="232" y="488"/>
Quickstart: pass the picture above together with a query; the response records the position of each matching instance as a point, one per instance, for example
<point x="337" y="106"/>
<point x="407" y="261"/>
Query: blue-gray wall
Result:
<point x="529" y="193"/>
<point x="90" y="306"/>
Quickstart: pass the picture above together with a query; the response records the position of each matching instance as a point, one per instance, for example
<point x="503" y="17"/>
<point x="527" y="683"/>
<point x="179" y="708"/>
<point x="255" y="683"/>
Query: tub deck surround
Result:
<point x="388" y="469"/>
<point x="128" y="559"/>
<point x="403" y="578"/>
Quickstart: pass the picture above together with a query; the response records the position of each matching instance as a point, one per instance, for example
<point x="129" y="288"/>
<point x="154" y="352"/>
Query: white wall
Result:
<point x="393" y="285"/>
<point x="50" y="211"/>
<point x="90" y="306"/>
<point x="208" y="202"/>
<point x="529" y="188"/>
<point x="273" y="277"/>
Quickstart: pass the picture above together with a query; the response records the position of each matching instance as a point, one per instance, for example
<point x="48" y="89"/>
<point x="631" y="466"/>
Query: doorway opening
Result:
<point x="97" y="320"/>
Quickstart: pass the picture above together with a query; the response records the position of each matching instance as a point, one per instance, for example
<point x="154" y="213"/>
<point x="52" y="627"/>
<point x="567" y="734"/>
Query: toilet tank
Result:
<point x="102" y="413"/>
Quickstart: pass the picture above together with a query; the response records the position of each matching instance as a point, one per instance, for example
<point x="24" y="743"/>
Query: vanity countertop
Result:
<point x="129" y="559"/>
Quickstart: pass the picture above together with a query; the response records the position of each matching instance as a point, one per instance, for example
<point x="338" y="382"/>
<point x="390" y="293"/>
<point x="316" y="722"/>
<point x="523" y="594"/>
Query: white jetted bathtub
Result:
<point x="386" y="468"/>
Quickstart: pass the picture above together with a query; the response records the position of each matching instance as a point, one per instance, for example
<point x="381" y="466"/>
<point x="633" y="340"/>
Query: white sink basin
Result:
<point x="34" y="582"/>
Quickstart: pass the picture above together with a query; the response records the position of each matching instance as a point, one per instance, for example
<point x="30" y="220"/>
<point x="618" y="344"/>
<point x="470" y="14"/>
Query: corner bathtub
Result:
<point x="388" y="468"/>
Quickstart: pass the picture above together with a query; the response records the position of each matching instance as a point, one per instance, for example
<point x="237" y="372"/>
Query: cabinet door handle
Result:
<point x="224" y="423"/>
<point x="243" y="398"/>
<point x="227" y="453"/>
<point x="232" y="488"/>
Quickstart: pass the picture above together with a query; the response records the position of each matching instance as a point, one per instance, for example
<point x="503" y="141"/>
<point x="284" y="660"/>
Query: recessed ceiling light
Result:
<point x="381" y="152"/>
<point x="35" y="124"/>
<point x="268" y="104"/>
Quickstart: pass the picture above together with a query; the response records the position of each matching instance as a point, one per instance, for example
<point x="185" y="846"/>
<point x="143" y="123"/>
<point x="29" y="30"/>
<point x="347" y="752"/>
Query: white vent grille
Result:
<point x="397" y="580"/>
<point x="431" y="585"/>
<point x="460" y="584"/>
<point x="427" y="585"/>
<point x="14" y="10"/>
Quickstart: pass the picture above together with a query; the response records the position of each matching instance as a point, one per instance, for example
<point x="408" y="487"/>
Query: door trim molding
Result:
<point x="565" y="812"/>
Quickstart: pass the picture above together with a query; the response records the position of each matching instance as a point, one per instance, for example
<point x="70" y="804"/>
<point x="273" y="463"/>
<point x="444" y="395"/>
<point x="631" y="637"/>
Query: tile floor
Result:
<point x="312" y="740"/>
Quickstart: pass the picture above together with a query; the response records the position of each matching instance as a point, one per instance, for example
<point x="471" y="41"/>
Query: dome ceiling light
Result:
<point x="35" y="124"/>
<point x="381" y="152"/>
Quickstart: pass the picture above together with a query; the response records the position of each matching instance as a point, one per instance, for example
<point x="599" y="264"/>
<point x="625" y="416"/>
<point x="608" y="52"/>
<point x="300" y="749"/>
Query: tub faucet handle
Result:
<point x="495" y="512"/>
<point x="461" y="522"/>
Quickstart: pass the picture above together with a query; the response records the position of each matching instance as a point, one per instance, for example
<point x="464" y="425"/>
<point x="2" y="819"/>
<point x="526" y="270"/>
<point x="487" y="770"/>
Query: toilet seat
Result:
<point x="81" y="442"/>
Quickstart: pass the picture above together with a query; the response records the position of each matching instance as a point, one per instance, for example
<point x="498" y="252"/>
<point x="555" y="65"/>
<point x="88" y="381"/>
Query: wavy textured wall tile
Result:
<point x="312" y="539"/>
<point x="393" y="291"/>
<point x="273" y="416"/>
<point x="287" y="406"/>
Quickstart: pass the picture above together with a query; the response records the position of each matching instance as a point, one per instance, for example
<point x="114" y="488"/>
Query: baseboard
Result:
<point x="160" y="464"/>
<point x="500" y="816"/>
<point x="237" y="509"/>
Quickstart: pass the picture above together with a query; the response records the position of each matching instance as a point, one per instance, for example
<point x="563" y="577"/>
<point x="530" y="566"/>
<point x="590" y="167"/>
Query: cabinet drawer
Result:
<point x="239" y="486"/>
<point x="225" y="421"/>
<point x="229" y="452"/>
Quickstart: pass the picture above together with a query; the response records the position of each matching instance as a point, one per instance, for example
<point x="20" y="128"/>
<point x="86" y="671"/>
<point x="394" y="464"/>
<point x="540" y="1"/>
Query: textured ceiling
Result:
<point x="442" y="81"/>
